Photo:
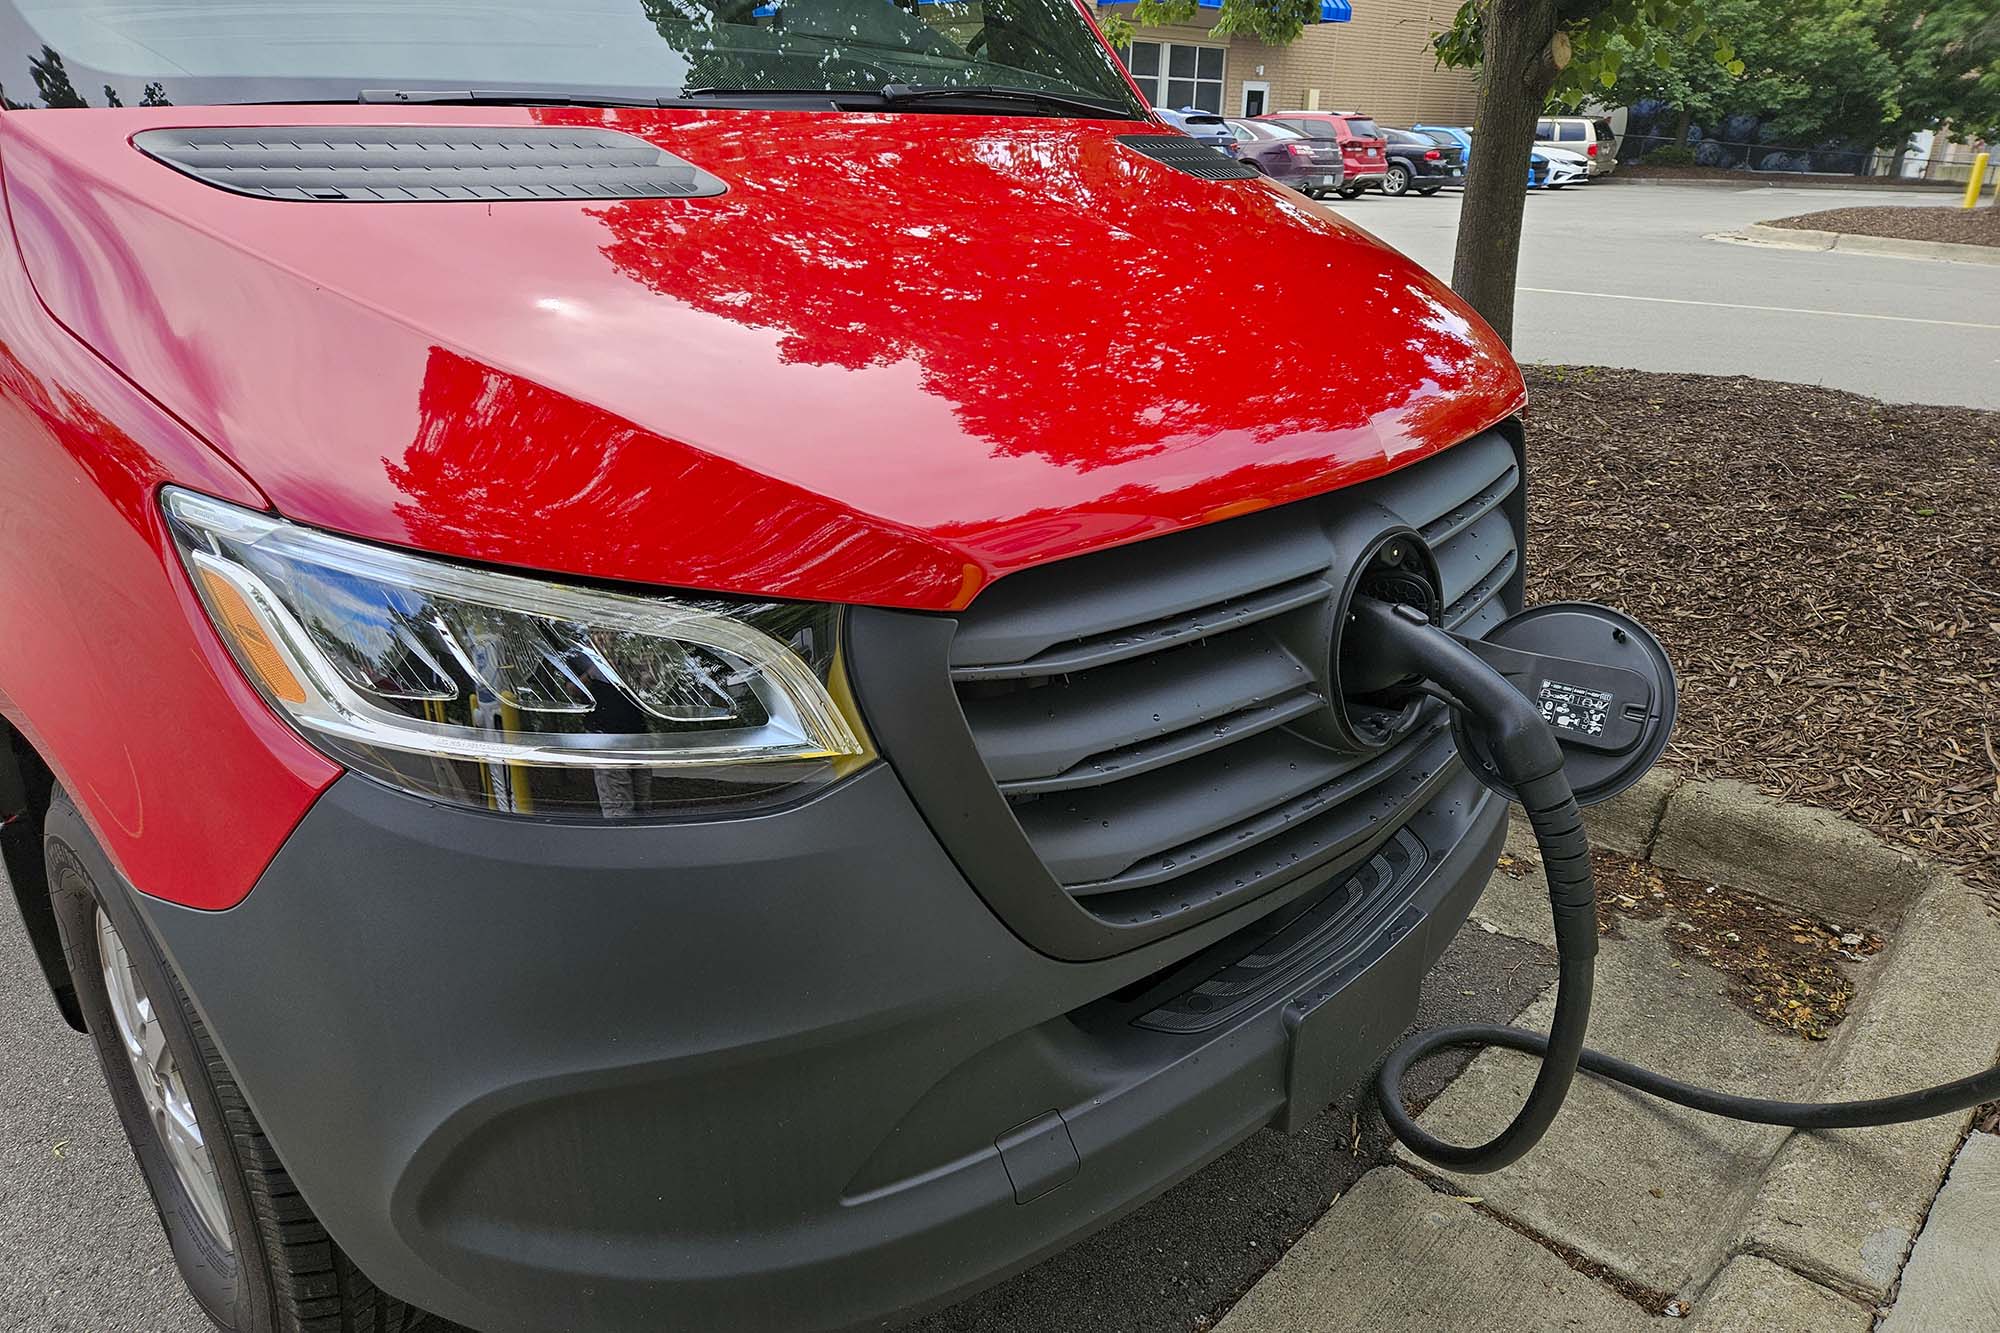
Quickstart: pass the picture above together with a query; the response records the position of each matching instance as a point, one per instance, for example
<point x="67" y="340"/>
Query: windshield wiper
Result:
<point x="502" y="97"/>
<point x="895" y="94"/>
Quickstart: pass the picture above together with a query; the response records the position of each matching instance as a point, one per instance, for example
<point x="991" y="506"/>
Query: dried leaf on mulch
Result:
<point x="1784" y="968"/>
<point x="1956" y="226"/>
<point x="1824" y="570"/>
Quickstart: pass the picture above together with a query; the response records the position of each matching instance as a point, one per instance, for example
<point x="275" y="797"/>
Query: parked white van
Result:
<point x="1587" y="135"/>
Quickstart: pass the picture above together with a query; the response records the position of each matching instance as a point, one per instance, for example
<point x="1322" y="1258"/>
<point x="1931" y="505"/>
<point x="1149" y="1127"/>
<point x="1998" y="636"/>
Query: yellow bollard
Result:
<point x="1977" y="181"/>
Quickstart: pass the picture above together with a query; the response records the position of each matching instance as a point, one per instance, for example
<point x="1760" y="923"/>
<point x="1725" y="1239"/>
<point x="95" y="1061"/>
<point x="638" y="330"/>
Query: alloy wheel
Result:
<point x="161" y="1085"/>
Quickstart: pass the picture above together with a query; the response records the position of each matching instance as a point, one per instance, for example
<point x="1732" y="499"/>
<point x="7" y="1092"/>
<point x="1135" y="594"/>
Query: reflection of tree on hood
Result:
<point x="826" y="43"/>
<point x="52" y="80"/>
<point x="53" y="86"/>
<point x="1046" y="283"/>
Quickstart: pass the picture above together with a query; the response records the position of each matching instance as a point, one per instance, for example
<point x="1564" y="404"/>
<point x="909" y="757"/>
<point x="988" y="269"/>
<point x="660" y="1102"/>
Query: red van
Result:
<point x="1364" y="149"/>
<point x="670" y="667"/>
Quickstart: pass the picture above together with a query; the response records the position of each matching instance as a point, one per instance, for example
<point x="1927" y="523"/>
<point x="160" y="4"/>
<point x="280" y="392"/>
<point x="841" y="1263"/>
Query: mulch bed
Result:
<point x="1824" y="570"/>
<point x="1957" y="226"/>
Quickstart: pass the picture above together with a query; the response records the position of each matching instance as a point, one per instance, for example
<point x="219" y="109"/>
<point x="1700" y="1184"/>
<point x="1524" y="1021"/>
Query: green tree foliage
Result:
<point x="1948" y="52"/>
<point x="1807" y="70"/>
<point x="1651" y="43"/>
<point x="1273" y="22"/>
<point x="1816" y="70"/>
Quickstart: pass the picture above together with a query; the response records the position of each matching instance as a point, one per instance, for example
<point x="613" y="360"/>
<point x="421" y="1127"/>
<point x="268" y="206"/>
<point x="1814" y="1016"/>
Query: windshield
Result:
<point x="76" y="53"/>
<point x="1362" y="128"/>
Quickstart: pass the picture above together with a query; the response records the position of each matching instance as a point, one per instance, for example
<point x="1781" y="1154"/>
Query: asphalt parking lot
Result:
<point x="1615" y="274"/>
<point x="1620" y="273"/>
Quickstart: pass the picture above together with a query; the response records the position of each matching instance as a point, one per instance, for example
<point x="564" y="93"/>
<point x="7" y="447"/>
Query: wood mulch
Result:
<point x="1957" y="226"/>
<point x="1824" y="570"/>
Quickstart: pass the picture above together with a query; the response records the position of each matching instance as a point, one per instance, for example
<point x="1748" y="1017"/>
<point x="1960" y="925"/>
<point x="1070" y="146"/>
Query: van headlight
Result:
<point x="507" y="692"/>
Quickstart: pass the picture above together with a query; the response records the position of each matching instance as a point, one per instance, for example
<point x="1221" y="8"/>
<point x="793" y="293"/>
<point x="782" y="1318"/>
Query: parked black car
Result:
<point x="1419" y="162"/>
<point x="1310" y="166"/>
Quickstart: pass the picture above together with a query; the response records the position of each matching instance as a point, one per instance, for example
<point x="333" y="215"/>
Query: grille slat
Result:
<point x="1129" y="590"/>
<point x="1153" y="715"/>
<point x="1349" y="781"/>
<point x="1155" y="636"/>
<point x="1116" y="765"/>
<point x="1427" y="491"/>
<point x="1044" y="732"/>
<point x="1336" y="836"/>
<point x="1096" y="835"/>
<point x="1480" y="596"/>
<point x="1443" y="528"/>
<point x="1472" y="554"/>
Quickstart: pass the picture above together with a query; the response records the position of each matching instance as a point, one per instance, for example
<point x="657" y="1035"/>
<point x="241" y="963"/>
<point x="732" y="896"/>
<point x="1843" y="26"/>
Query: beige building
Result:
<point x="1379" y="62"/>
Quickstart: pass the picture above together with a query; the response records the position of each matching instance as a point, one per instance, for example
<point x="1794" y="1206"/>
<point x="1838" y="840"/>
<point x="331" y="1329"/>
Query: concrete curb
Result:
<point x="1800" y="238"/>
<point x="1843" y="1207"/>
<point x="1839" y="1210"/>
<point x="1731" y="833"/>
<point x="1728" y="832"/>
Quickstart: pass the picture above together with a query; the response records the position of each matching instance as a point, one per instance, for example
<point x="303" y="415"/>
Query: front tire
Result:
<point x="1428" y="193"/>
<point x="251" y="1252"/>
<point x="1397" y="182"/>
<point x="1350" y="191"/>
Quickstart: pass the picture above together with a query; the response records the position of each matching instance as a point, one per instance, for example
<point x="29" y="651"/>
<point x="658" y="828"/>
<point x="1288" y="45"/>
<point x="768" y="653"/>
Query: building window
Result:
<point x="1175" y="75"/>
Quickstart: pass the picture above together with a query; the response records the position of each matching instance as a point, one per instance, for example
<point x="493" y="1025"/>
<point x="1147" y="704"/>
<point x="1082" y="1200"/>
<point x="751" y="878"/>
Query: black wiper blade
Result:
<point x="786" y="97"/>
<point x="503" y="97"/>
<point x="892" y="94"/>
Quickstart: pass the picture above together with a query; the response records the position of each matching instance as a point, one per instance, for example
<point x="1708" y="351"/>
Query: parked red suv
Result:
<point x="620" y="713"/>
<point x="1364" y="151"/>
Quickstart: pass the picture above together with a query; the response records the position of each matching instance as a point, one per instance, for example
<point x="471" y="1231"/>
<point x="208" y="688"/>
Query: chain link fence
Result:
<point x="1792" y="159"/>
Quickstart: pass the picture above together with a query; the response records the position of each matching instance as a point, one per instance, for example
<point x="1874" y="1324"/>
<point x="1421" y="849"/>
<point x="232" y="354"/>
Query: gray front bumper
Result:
<point x="746" y="1074"/>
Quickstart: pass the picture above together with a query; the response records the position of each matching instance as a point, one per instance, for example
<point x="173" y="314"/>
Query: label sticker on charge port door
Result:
<point x="1573" y="708"/>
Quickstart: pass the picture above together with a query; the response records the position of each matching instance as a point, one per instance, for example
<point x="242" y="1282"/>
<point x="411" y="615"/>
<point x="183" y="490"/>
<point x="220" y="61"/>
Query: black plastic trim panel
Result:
<point x="1189" y="156"/>
<point x="426" y="163"/>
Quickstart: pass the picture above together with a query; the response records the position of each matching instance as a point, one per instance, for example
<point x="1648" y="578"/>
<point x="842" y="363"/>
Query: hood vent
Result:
<point x="394" y="164"/>
<point x="1187" y="155"/>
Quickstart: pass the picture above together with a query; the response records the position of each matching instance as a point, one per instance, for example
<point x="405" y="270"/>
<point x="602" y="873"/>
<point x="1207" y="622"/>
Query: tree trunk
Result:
<point x="1681" y="130"/>
<point x="1521" y="56"/>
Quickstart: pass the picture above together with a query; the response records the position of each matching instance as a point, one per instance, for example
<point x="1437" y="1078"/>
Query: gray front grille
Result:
<point x="1157" y="716"/>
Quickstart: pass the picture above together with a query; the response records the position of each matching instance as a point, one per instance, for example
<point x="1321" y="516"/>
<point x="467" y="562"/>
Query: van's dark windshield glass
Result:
<point x="77" y="53"/>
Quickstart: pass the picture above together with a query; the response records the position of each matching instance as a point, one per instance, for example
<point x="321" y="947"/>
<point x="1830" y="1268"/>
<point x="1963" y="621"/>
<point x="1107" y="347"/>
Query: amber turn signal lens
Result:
<point x="252" y="643"/>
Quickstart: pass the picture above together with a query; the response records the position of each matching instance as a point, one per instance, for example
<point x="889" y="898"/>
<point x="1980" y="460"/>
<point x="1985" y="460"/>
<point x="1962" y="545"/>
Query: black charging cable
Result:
<point x="1526" y="754"/>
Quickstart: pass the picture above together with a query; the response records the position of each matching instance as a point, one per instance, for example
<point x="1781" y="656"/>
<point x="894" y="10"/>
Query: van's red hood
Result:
<point x="902" y="355"/>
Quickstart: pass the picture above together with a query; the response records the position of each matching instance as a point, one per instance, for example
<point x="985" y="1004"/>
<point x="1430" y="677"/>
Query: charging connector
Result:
<point x="1515" y="735"/>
